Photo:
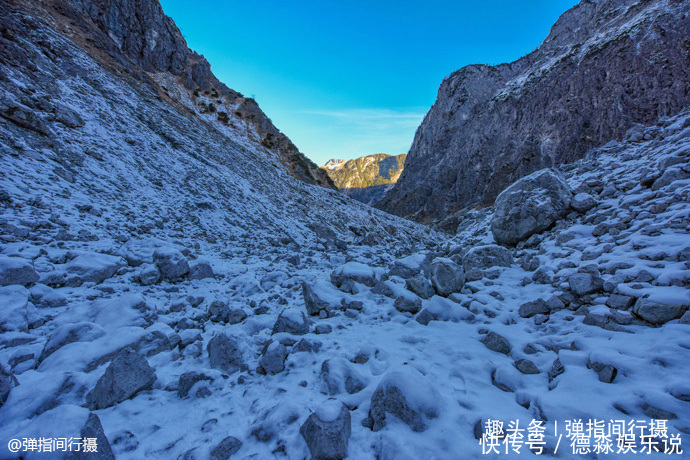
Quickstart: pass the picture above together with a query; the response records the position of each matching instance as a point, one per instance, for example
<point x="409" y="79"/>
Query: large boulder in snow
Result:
<point x="354" y="271"/>
<point x="224" y="354"/>
<point x="7" y="382"/>
<point x="317" y="298"/>
<point x="530" y="205"/>
<point x="339" y="375"/>
<point x="93" y="429"/>
<point x="15" y="309"/>
<point x="91" y="268"/>
<point x="291" y="321"/>
<point x="657" y="312"/>
<point x="407" y="395"/>
<point x="487" y="256"/>
<point x="327" y="431"/>
<point x="200" y="269"/>
<point x="171" y="263"/>
<point x="127" y="374"/>
<point x="70" y="333"/>
<point x="14" y="270"/>
<point x="447" y="277"/>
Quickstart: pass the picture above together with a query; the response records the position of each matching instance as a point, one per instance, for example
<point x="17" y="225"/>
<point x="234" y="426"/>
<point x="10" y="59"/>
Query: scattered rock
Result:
<point x="531" y="205"/>
<point x="171" y="263"/>
<point x="226" y="448"/>
<point x="526" y="366"/>
<point x="14" y="270"/>
<point x="536" y="307"/>
<point x="583" y="202"/>
<point x="292" y="322"/>
<point x="657" y="312"/>
<point x="273" y="360"/>
<point x="496" y="342"/>
<point x="483" y="257"/>
<point x="327" y="431"/>
<point x="408" y="304"/>
<point x="606" y="372"/>
<point x="408" y="396"/>
<point x="199" y="270"/>
<point x="128" y="374"/>
<point x="447" y="277"/>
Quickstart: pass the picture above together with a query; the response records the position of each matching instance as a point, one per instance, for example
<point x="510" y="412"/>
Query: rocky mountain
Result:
<point x="137" y="38"/>
<point x="169" y="290"/>
<point x="367" y="178"/>
<point x="606" y="66"/>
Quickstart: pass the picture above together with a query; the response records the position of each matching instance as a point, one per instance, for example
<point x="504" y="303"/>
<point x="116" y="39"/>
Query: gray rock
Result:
<point x="496" y="342"/>
<point x="583" y="202"/>
<point x="447" y="277"/>
<point x="128" y="374"/>
<point x="554" y="303"/>
<point x="526" y="366"/>
<point x="327" y="431"/>
<point x="224" y="354"/>
<point x="408" y="305"/>
<point x="619" y="302"/>
<point x="93" y="429"/>
<point x="292" y="322"/>
<point x="339" y="375"/>
<point x="313" y="302"/>
<point x="70" y="333"/>
<point x="14" y="270"/>
<point x="199" y="270"/>
<point x="657" y="312"/>
<point x="354" y="271"/>
<point x="7" y="382"/>
<point x="420" y="286"/>
<point x="483" y="257"/>
<point x="606" y="372"/>
<point x="323" y="329"/>
<point x="392" y="396"/>
<point x="226" y="448"/>
<point x="536" y="307"/>
<point x="657" y="413"/>
<point x="530" y="206"/>
<point x="187" y="381"/>
<point x="273" y="360"/>
<point x="149" y="275"/>
<point x="477" y="138"/>
<point x="171" y="263"/>
<point x="584" y="283"/>
<point x="685" y="319"/>
<point x="307" y="346"/>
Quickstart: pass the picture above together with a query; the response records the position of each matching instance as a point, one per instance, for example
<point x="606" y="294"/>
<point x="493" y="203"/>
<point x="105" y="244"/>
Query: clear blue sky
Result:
<point x="353" y="77"/>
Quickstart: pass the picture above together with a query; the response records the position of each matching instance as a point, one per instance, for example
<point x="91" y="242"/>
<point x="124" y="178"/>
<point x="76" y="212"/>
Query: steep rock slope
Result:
<point x="366" y="178"/>
<point x="137" y="35"/>
<point x="605" y="66"/>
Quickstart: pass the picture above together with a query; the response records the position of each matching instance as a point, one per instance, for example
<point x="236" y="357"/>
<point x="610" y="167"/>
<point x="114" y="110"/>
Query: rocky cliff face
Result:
<point x="137" y="37"/>
<point x="606" y="66"/>
<point x="367" y="178"/>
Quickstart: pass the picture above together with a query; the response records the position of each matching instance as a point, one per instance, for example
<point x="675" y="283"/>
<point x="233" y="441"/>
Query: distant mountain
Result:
<point x="606" y="66"/>
<point x="366" y="178"/>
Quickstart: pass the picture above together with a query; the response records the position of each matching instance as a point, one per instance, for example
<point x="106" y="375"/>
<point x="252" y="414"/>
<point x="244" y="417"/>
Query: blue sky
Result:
<point x="352" y="77"/>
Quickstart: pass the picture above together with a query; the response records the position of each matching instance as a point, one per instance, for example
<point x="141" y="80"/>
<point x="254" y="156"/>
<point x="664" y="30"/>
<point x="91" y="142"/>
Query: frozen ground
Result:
<point x="163" y="272"/>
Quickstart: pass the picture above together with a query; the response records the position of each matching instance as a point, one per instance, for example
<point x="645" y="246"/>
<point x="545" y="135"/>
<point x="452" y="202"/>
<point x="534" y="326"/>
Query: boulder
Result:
<point x="273" y="360"/>
<point x="487" y="256"/>
<point x="584" y="283"/>
<point x="171" y="263"/>
<point x="583" y="202"/>
<point x="70" y="333"/>
<point x="657" y="312"/>
<point x="339" y="375"/>
<point x="526" y="366"/>
<point x="93" y="429"/>
<point x="200" y="269"/>
<point x="536" y="307"/>
<point x="354" y="271"/>
<point x="606" y="372"/>
<point x="148" y="275"/>
<point x="531" y="205"/>
<point x="421" y="286"/>
<point x="226" y="448"/>
<point x="224" y="354"/>
<point x="14" y="270"/>
<point x="447" y="277"/>
<point x="91" y="268"/>
<point x="315" y="298"/>
<point x="292" y="322"/>
<point x="7" y="382"/>
<point x="126" y="375"/>
<point x="496" y="342"/>
<point x="188" y="380"/>
<point x="327" y="431"/>
<point x="407" y="395"/>
<point x="409" y="304"/>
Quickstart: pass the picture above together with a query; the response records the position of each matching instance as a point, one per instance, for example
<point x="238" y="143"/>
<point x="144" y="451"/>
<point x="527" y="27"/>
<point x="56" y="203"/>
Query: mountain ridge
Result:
<point x="491" y="125"/>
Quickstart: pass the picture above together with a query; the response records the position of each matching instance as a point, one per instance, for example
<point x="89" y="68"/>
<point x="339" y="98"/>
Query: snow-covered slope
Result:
<point x="168" y="289"/>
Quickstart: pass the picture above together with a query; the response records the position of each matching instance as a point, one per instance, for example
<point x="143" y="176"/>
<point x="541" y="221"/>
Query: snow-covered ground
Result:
<point x="165" y="273"/>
